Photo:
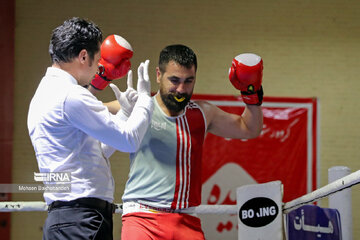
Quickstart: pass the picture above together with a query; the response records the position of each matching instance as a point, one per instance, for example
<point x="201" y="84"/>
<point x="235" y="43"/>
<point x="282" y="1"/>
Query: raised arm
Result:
<point x="245" y="74"/>
<point x="228" y="125"/>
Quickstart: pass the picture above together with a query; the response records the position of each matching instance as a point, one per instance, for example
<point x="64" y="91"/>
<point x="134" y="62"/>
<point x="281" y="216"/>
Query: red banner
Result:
<point x="286" y="150"/>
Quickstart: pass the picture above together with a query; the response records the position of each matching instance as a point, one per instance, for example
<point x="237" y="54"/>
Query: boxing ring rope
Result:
<point x="249" y="193"/>
<point x="336" y="186"/>
<point x="32" y="206"/>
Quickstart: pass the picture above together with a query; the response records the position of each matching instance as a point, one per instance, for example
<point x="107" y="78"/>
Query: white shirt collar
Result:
<point x="53" y="71"/>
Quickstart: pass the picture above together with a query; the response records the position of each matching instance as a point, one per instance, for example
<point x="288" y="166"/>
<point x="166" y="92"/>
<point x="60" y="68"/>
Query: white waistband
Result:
<point x="131" y="207"/>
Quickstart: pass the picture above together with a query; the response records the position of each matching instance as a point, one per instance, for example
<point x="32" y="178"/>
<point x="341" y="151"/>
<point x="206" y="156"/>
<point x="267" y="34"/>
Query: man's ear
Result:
<point x="158" y="74"/>
<point x="83" y="55"/>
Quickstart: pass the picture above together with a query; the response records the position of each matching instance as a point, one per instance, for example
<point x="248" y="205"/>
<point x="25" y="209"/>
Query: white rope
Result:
<point x="23" y="206"/>
<point x="41" y="207"/>
<point x="336" y="186"/>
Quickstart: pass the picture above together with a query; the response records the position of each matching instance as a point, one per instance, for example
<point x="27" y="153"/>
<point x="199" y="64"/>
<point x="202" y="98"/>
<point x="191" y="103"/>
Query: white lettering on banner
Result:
<point x="266" y="211"/>
<point x="263" y="212"/>
<point x="313" y="222"/>
<point x="258" y="212"/>
<point x="317" y="229"/>
<point x="247" y="214"/>
<point x="281" y="134"/>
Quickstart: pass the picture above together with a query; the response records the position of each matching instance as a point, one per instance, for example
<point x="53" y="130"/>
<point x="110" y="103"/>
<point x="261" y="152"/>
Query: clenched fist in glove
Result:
<point x="114" y="62"/>
<point x="245" y="74"/>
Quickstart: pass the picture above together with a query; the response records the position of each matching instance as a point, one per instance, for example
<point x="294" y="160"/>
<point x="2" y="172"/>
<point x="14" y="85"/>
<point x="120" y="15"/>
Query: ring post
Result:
<point x="260" y="211"/>
<point x="342" y="201"/>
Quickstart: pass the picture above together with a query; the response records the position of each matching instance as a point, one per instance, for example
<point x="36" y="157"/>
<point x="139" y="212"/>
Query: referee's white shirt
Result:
<point x="70" y="131"/>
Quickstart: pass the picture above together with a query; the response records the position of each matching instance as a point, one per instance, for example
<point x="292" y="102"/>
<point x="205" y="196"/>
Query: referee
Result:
<point x="70" y="130"/>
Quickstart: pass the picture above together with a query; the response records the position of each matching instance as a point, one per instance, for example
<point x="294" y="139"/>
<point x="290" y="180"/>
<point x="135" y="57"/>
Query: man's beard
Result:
<point x="172" y="104"/>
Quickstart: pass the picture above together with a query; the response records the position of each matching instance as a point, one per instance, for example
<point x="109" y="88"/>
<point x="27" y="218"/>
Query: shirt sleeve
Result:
<point x="109" y="150"/>
<point x="88" y="114"/>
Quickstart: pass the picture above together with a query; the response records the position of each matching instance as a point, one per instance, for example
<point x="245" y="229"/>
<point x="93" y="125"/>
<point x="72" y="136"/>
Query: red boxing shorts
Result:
<point x="161" y="226"/>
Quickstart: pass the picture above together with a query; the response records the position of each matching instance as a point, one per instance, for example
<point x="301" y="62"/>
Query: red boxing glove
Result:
<point x="115" y="61"/>
<point x="245" y="74"/>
